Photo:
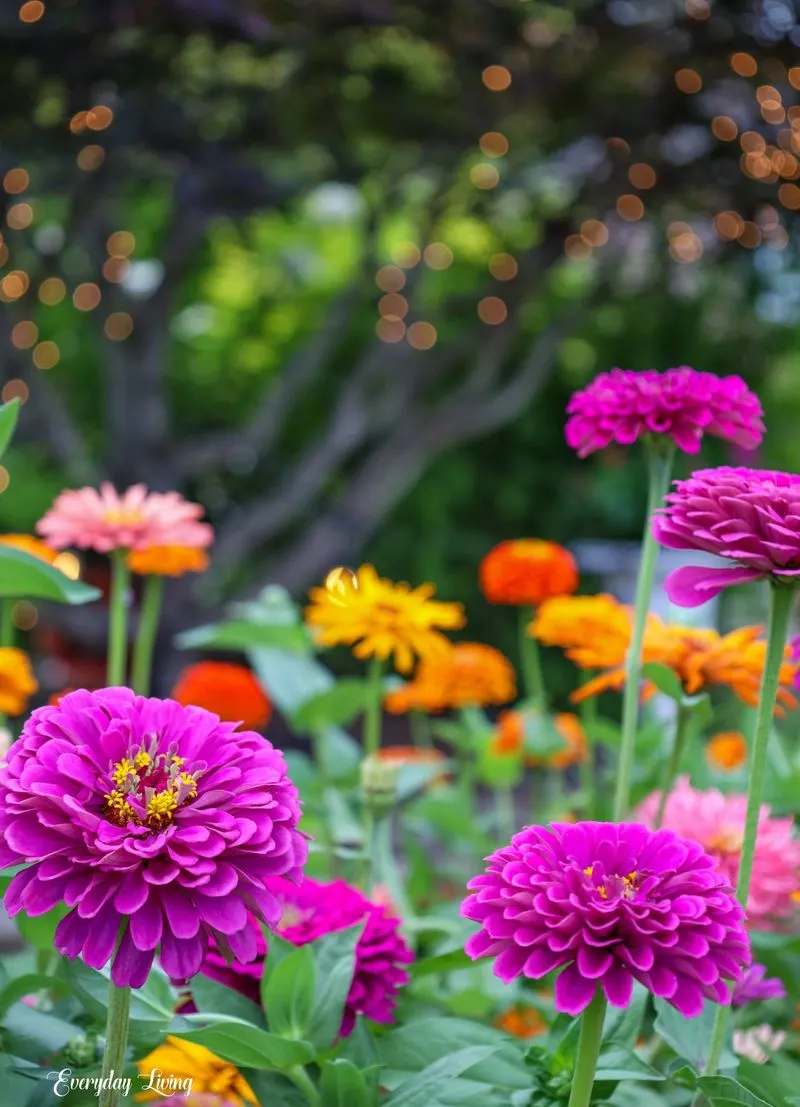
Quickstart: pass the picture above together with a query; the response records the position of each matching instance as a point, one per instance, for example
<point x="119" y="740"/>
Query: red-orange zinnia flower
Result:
<point x="168" y="561"/>
<point x="228" y="690"/>
<point x="527" y="571"/>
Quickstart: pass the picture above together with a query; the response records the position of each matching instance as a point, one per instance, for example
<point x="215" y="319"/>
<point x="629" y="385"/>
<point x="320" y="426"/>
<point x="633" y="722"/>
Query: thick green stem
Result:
<point x="420" y="730"/>
<point x="504" y="809"/>
<point x="119" y="1001"/>
<point x="678" y="745"/>
<point x="588" y="1051"/>
<point x="118" y="619"/>
<point x="659" y="462"/>
<point x="148" y="632"/>
<point x="373" y="715"/>
<point x="300" y="1078"/>
<point x="531" y="662"/>
<point x="781" y="601"/>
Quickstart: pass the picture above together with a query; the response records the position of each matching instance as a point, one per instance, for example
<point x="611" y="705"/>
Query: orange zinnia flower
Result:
<point x="593" y="631"/>
<point x="509" y="738"/>
<point x="467" y="675"/>
<point x="168" y="561"/>
<point x="527" y="571"/>
<point x="29" y="545"/>
<point x="522" y="1022"/>
<point x="17" y="682"/>
<point x="727" y="751"/>
<point x="228" y="690"/>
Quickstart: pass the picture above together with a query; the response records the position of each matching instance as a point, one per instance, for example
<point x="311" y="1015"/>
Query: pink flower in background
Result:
<point x="757" y="986"/>
<point x="106" y="520"/>
<point x="159" y="825"/>
<point x="682" y="404"/>
<point x="748" y="516"/>
<point x="717" y="822"/>
<point x="609" y="903"/>
<point x="312" y="910"/>
<point x="758" y="1043"/>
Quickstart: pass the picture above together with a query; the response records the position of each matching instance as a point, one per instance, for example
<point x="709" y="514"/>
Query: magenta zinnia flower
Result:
<point x="749" y="516"/>
<point x="716" y="822"/>
<point x="682" y="404"/>
<point x="106" y="520"/>
<point x="159" y="826"/>
<point x="757" y="986"/>
<point x="312" y="910"/>
<point x="609" y="903"/>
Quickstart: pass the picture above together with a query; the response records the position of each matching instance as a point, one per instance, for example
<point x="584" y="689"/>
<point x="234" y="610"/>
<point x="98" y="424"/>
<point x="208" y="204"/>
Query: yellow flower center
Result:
<point x="149" y="787"/>
<point x="728" y="841"/>
<point x="124" y="517"/>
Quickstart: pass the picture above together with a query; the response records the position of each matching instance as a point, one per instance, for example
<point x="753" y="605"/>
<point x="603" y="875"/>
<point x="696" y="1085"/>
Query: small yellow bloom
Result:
<point x="381" y="619"/>
<point x="468" y="675"/>
<point x="727" y="751"/>
<point x="188" y="1061"/>
<point x="17" y="682"/>
<point x="168" y="561"/>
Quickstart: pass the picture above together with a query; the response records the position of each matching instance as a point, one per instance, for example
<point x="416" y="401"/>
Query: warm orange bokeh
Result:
<point x="17" y="682"/>
<point x="527" y="571"/>
<point x="727" y="751"/>
<point x="522" y="1022"/>
<point x="509" y="738"/>
<point x="228" y="690"/>
<point x="168" y="561"/>
<point x="467" y="675"/>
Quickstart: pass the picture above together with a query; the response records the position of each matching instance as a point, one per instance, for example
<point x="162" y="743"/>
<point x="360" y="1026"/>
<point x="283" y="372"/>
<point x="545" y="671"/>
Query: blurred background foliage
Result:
<point x="333" y="267"/>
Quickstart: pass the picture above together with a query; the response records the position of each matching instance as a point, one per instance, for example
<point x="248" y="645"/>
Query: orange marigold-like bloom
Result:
<point x="593" y="631"/>
<point x="727" y="751"/>
<point x="509" y="738"/>
<point x="17" y="682"/>
<point x="522" y="1022"/>
<point x="168" y="561"/>
<point x="527" y="571"/>
<point x="228" y="690"/>
<point x="30" y="545"/>
<point x="467" y="675"/>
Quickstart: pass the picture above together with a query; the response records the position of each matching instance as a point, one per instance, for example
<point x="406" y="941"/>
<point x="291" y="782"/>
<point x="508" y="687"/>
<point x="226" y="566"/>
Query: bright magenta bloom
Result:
<point x="757" y="986"/>
<point x="717" y="821"/>
<point x="609" y="903"/>
<point x="159" y="825"/>
<point x="682" y="404"/>
<point x="106" y="520"/>
<point x="312" y="910"/>
<point x="749" y="516"/>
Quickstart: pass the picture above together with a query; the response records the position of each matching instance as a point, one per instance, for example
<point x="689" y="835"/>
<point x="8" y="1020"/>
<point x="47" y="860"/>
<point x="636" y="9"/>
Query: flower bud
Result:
<point x="379" y="784"/>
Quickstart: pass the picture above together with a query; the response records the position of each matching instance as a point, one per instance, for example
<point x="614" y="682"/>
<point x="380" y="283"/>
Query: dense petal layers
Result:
<point x="757" y="987"/>
<point x="468" y="675"/>
<point x="229" y="690"/>
<point x="159" y="825"/>
<point x="527" y="571"/>
<point x="609" y="904"/>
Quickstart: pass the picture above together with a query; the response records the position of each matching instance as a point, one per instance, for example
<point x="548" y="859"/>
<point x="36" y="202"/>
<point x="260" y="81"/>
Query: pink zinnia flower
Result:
<point x="758" y="1043"/>
<point x="682" y="404"/>
<point x="757" y="986"/>
<point x="717" y="822"/>
<point x="609" y="903"/>
<point x="137" y="519"/>
<point x="159" y="826"/>
<point x="313" y="910"/>
<point x="749" y="516"/>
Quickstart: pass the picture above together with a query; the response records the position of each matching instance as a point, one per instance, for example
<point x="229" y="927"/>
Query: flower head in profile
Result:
<point x="750" y="517"/>
<point x="727" y="751"/>
<point x="681" y="404"/>
<point x="107" y="520"/>
<point x="608" y="904"/>
<point x="211" y="1081"/>
<point x="29" y="545"/>
<point x="312" y="910"/>
<point x="527" y="571"/>
<point x="717" y="822"/>
<point x="468" y="675"/>
<point x="168" y="561"/>
<point x="17" y="682"/>
<point x="381" y="619"/>
<point x="228" y="690"/>
<point x="593" y="631"/>
<point x="757" y="987"/>
<point x="509" y="738"/>
<point x="157" y="824"/>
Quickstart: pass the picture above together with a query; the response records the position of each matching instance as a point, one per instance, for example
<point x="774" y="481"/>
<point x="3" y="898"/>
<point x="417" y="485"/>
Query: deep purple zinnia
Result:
<point x="749" y="516"/>
<point x="609" y="903"/>
<point x="757" y="986"/>
<point x="159" y="826"/>
<point x="312" y="910"/>
<point x="682" y="404"/>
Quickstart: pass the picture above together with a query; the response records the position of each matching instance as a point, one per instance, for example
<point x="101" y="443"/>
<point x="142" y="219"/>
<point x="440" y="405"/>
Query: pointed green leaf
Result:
<point x="665" y="680"/>
<point x="211" y="996"/>
<point x="335" y="958"/>
<point x="337" y="706"/>
<point x="248" y="1046"/>
<point x="723" y="1091"/>
<point x="421" y="1090"/>
<point x="287" y="994"/>
<point x="21" y="574"/>
<point x="239" y="634"/>
<point x="8" y="420"/>
<point x="342" y="1085"/>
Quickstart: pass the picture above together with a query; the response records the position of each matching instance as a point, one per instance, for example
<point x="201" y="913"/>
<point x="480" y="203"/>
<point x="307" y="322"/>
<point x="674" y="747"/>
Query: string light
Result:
<point x="686" y="247"/>
<point x="19" y="216"/>
<point x="496" y="78"/>
<point x="31" y="11"/>
<point x="642" y="175"/>
<point x="46" y="355"/>
<point x="86" y="296"/>
<point x="503" y="267"/>
<point x="688" y="81"/>
<point x="118" y="326"/>
<point x="789" y="196"/>
<point x="90" y="157"/>
<point x="422" y="336"/>
<point x="728" y="225"/>
<point x="52" y="291"/>
<point x="577" y="248"/>
<point x="743" y="64"/>
<point x="24" y="335"/>
<point x="630" y="207"/>
<point x="393" y="306"/>
<point x="794" y="76"/>
<point x="115" y="269"/>
<point x="438" y="256"/>
<point x="724" y="128"/>
<point x="15" y="390"/>
<point x="406" y="254"/>
<point x="121" y="244"/>
<point x="594" y="232"/>
<point x="78" y="122"/>
<point x="14" y="284"/>
<point x="390" y="279"/>
<point x="16" y="181"/>
<point x="492" y="310"/>
<point x="99" y="117"/>
<point x="750" y="235"/>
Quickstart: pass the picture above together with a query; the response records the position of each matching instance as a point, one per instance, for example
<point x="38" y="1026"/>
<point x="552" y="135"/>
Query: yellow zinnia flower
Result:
<point x="186" y="1060"/>
<point x="379" y="619"/>
<point x="468" y="675"/>
<point x="17" y="682"/>
<point x="168" y="561"/>
<point x="30" y="545"/>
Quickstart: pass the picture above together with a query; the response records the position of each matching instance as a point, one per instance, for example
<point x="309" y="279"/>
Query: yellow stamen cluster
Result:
<point x="150" y="779"/>
<point x="160" y="807"/>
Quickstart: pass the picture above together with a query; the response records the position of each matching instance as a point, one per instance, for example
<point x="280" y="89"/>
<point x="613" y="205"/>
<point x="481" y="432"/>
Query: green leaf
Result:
<point x="542" y="738"/>
<point x="25" y="985"/>
<point x="151" y="1006"/>
<point x="421" y="1090"/>
<point x="289" y="678"/>
<point x="451" y="961"/>
<point x="723" y="1091"/>
<point x="420" y="1043"/>
<point x="212" y="997"/>
<point x="337" y="706"/>
<point x="665" y="680"/>
<point x="690" y="1038"/>
<point x="287" y="994"/>
<point x="334" y="958"/>
<point x="24" y="575"/>
<point x="623" y="1024"/>
<point x="246" y="1045"/>
<point x="499" y="770"/>
<point x="340" y="753"/>
<point x="20" y="1080"/>
<point x="619" y="1062"/>
<point x="274" y="1090"/>
<point x="342" y="1085"/>
<point x="242" y="635"/>
<point x="40" y="930"/>
<point x="8" y="420"/>
<point x="34" y="1035"/>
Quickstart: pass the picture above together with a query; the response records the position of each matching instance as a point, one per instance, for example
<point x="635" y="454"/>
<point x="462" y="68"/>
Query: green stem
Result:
<point x="674" y="763"/>
<point x="7" y="635"/>
<point x="118" y="618"/>
<point x="659" y="462"/>
<point x="781" y="601"/>
<point x="119" y="1001"/>
<point x="587" y="769"/>
<point x="300" y="1078"/>
<point x="588" y="1051"/>
<point x="531" y="662"/>
<point x="420" y="730"/>
<point x="504" y="809"/>
<point x="148" y="632"/>
<point x="373" y="716"/>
